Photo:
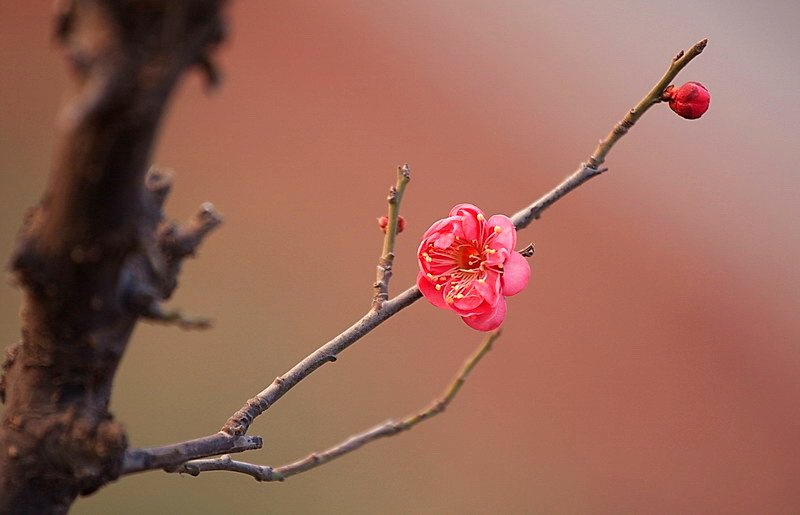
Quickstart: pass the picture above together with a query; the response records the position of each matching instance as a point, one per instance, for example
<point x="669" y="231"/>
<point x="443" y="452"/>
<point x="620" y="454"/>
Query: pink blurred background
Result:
<point x="653" y="363"/>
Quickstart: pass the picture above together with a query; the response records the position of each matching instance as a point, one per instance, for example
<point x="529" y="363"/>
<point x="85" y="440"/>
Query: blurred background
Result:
<point x="650" y="367"/>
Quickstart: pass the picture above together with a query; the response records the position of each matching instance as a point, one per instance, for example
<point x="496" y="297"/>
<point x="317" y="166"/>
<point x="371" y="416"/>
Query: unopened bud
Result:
<point x="689" y="101"/>
<point x="384" y="221"/>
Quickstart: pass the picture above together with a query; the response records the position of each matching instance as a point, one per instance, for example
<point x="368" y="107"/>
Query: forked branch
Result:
<point x="314" y="460"/>
<point x="240" y="421"/>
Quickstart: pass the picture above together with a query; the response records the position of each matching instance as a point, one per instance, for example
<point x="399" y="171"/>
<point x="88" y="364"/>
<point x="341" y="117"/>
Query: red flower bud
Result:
<point x="384" y="221"/>
<point x="689" y="101"/>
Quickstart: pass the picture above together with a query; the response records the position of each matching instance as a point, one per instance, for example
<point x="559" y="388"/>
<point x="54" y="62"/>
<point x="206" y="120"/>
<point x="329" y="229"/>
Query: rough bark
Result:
<point x="96" y="254"/>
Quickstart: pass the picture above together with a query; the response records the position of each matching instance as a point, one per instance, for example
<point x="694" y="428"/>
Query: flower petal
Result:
<point x="467" y="304"/>
<point x="444" y="240"/>
<point x="429" y="291"/>
<point x="516" y="272"/>
<point x="471" y="304"/>
<point x="489" y="289"/>
<point x="507" y="237"/>
<point x="445" y="224"/>
<point x="489" y="321"/>
<point x="499" y="257"/>
<point x="462" y="209"/>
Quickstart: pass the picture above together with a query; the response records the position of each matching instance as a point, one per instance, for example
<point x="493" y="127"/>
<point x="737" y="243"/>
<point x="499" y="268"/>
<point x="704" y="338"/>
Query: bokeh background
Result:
<point x="653" y="363"/>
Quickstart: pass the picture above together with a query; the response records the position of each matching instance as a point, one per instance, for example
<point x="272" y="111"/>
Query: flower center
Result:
<point x="469" y="258"/>
<point x="463" y="264"/>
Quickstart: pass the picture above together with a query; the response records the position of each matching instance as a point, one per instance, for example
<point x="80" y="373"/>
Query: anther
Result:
<point x="438" y="287"/>
<point x="480" y="217"/>
<point x="498" y="229"/>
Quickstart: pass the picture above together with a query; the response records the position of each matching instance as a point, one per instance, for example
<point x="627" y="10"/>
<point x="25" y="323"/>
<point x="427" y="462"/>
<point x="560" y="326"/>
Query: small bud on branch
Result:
<point x="689" y="101"/>
<point x="383" y="222"/>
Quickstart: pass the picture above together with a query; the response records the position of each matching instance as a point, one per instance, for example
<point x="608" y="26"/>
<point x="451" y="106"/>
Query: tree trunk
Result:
<point x="96" y="254"/>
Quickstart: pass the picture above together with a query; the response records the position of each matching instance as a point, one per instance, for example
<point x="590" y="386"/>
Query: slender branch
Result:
<point x="156" y="313"/>
<point x="388" y="428"/>
<point x="170" y="456"/>
<point x="240" y="421"/>
<point x="651" y="99"/>
<point x="258" y="472"/>
<point x="590" y="168"/>
<point x="524" y="217"/>
<point x="384" y="273"/>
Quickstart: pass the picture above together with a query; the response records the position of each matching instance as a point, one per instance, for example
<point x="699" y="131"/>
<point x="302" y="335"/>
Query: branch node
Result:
<point x="210" y="71"/>
<point x="159" y="183"/>
<point x="528" y="251"/>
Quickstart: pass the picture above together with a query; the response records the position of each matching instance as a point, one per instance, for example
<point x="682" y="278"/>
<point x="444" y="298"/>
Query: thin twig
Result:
<point x="238" y="424"/>
<point x="590" y="168"/>
<point x="651" y="99"/>
<point x="170" y="456"/>
<point x="240" y="421"/>
<point x="384" y="273"/>
<point x="156" y="313"/>
<point x="388" y="428"/>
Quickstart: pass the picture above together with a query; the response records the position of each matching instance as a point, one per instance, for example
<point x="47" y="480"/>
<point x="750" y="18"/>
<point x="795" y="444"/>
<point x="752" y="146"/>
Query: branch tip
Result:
<point x="159" y="183"/>
<point x="591" y="168"/>
<point x="156" y="313"/>
<point x="210" y="72"/>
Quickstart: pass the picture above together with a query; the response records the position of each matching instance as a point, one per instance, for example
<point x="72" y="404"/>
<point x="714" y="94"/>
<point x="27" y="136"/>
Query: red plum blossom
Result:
<point x="468" y="265"/>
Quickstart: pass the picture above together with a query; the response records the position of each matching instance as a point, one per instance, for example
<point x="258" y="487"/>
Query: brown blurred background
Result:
<point x="653" y="363"/>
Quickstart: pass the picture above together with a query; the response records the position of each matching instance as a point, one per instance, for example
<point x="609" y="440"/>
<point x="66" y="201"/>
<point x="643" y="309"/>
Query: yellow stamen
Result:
<point x="438" y="287"/>
<point x="480" y="217"/>
<point x="482" y="281"/>
<point x="498" y="229"/>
